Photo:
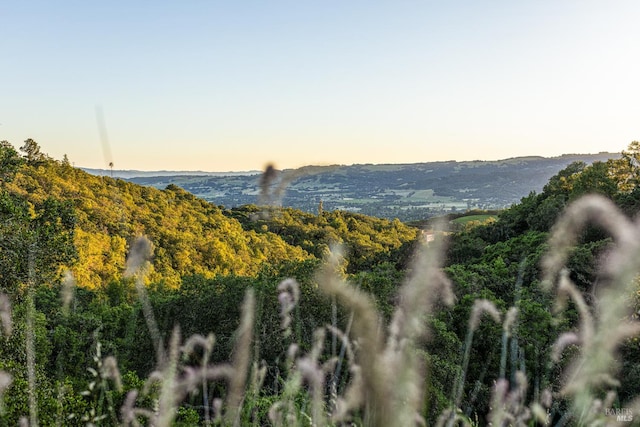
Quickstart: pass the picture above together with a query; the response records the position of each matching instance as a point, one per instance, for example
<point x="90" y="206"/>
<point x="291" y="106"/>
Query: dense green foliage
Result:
<point x="191" y="236"/>
<point x="54" y="217"/>
<point x="500" y="261"/>
<point x="369" y="240"/>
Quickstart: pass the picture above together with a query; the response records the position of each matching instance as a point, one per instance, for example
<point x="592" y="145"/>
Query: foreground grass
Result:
<point x="375" y="375"/>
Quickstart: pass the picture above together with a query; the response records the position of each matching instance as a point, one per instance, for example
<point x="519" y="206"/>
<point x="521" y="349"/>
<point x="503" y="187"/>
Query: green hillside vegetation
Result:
<point x="191" y="236"/>
<point x="128" y="305"/>
<point x="369" y="240"/>
<point x="476" y="218"/>
<point x="502" y="261"/>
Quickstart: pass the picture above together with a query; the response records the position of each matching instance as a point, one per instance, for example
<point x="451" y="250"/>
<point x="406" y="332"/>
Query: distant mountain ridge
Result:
<point x="133" y="173"/>
<point x="405" y="191"/>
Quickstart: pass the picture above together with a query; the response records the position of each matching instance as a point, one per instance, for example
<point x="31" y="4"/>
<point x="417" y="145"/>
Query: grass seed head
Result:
<point x="139" y="254"/>
<point x="5" y="315"/>
<point x="480" y="307"/>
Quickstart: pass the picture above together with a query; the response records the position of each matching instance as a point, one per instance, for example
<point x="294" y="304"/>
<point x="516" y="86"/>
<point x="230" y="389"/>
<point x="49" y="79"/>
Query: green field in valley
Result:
<point x="469" y="218"/>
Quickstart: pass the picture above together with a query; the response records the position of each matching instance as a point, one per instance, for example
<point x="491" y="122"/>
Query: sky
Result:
<point x="234" y="85"/>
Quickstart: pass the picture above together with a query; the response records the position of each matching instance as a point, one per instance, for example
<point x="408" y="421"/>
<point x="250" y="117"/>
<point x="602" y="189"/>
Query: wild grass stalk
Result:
<point x="5" y="315"/>
<point x="367" y="333"/>
<point x="603" y="327"/>
<point x="7" y="329"/>
<point x="98" y="390"/>
<point x="241" y="361"/>
<point x="167" y="405"/>
<point x="384" y="371"/>
<point x="288" y="296"/>
<point x="351" y="397"/>
<point x="136" y="264"/>
<point x="480" y="307"/>
<point x="389" y="368"/>
<point x="189" y="349"/>
<point x="510" y="325"/>
<point x="30" y="336"/>
<point x="273" y="184"/>
<point x="507" y="327"/>
<point x="67" y="292"/>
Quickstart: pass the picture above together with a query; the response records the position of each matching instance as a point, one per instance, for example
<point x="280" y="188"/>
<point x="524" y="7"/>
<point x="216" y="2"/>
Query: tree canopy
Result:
<point x="190" y="235"/>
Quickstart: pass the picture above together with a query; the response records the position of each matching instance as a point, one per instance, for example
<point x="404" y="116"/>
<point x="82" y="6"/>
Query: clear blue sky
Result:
<point x="232" y="85"/>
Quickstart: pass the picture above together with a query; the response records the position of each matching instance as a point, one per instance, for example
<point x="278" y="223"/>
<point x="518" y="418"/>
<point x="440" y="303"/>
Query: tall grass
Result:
<point x="384" y="371"/>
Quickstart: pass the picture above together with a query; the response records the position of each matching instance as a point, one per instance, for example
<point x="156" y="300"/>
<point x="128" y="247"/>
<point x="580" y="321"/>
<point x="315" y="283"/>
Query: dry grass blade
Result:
<point x="565" y="340"/>
<point x="130" y="413"/>
<point x="288" y="296"/>
<point x="109" y="370"/>
<point x="5" y="382"/>
<point x="391" y="375"/>
<point x="602" y="328"/>
<point x="197" y="340"/>
<point x="5" y="315"/>
<point x="367" y="333"/>
<point x="139" y="255"/>
<point x="480" y="307"/>
<point x="593" y="209"/>
<point x="68" y="291"/>
<point x="241" y="360"/>
<point x="169" y="399"/>
<point x="424" y="287"/>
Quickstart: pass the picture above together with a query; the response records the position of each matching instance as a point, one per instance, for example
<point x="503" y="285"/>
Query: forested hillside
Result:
<point x="504" y="262"/>
<point x="405" y="191"/>
<point x="191" y="236"/>
<point x="128" y="305"/>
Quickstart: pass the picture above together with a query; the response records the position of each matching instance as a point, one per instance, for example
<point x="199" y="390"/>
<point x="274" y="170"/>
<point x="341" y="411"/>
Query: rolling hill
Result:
<point x="403" y="191"/>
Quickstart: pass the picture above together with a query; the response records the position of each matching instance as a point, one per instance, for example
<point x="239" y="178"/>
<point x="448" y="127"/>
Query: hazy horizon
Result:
<point x="106" y="169"/>
<point x="233" y="86"/>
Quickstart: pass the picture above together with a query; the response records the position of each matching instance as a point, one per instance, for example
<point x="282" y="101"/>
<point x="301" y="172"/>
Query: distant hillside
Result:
<point x="404" y="191"/>
<point x="132" y="173"/>
<point x="103" y="215"/>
